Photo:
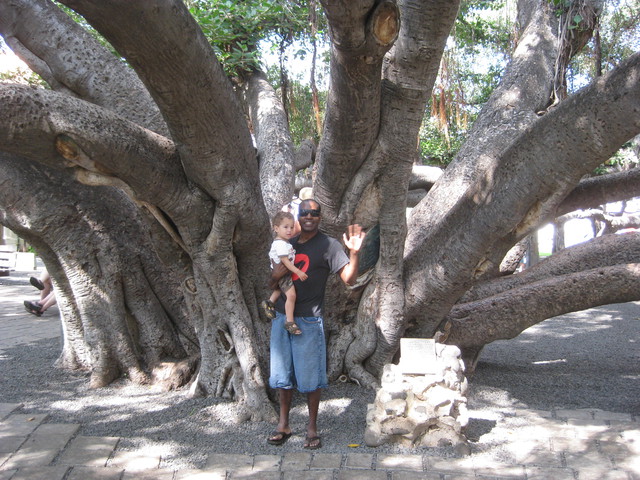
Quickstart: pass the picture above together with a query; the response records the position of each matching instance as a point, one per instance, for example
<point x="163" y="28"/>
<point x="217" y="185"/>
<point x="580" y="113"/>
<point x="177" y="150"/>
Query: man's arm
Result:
<point x="277" y="272"/>
<point x="353" y="241"/>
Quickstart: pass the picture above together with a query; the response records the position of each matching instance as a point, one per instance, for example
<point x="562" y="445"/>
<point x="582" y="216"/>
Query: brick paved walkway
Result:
<point x="583" y="444"/>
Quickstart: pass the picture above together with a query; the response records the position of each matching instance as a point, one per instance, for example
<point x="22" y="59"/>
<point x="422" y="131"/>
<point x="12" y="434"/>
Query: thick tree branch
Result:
<point x="610" y="223"/>
<point x="72" y="61"/>
<point x="586" y="129"/>
<point x="506" y="315"/>
<point x="95" y="230"/>
<point x="61" y="131"/>
<point x="596" y="191"/>
<point x="176" y="63"/>
<point x="275" y="149"/>
<point x="439" y="261"/>
<point x="600" y="252"/>
<point x="424" y="176"/>
<point x="410" y="70"/>
<point x="353" y="108"/>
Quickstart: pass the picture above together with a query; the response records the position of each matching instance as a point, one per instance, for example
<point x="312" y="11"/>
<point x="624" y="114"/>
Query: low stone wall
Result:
<point x="421" y="410"/>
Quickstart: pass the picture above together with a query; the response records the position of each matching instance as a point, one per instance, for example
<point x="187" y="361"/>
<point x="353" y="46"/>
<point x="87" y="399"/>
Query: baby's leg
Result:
<point x="290" y="304"/>
<point x="289" y="307"/>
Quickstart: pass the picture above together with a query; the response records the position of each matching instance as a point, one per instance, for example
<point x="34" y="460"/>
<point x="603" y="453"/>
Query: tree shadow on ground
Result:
<point x="584" y="359"/>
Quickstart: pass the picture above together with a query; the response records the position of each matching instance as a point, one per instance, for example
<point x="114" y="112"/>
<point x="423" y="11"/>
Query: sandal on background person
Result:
<point x="36" y="283"/>
<point x="32" y="307"/>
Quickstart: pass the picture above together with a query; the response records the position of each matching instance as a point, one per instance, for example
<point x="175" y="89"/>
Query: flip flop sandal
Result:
<point x="269" y="309"/>
<point x="36" y="283"/>
<point x="32" y="308"/>
<point x="278" y="438"/>
<point x="292" y="328"/>
<point x="312" y="443"/>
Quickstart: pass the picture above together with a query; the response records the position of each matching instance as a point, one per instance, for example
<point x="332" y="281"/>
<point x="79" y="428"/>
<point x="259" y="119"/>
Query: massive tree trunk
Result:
<point x="121" y="305"/>
<point x="155" y="225"/>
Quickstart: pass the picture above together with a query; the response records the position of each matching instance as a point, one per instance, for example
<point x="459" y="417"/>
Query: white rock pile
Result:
<point x="427" y="410"/>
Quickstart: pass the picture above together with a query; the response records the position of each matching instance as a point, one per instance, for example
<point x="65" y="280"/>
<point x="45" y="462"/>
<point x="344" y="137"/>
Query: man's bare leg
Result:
<point x="284" y="398"/>
<point x="313" y="403"/>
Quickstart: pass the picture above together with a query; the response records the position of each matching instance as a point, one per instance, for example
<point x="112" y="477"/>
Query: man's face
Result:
<point x="309" y="216"/>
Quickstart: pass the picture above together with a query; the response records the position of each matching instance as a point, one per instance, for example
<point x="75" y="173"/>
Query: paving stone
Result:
<point x="156" y="474"/>
<point x="256" y="475"/>
<point x="57" y="429"/>
<point x="296" y="461"/>
<point x="405" y="475"/>
<point x="136" y="460"/>
<point x="10" y="444"/>
<point x="4" y="457"/>
<point x="501" y="471"/>
<point x="222" y="461"/>
<point x="543" y="473"/>
<point x="611" y="416"/>
<point x="399" y="462"/>
<point x="458" y="476"/>
<point x="444" y="465"/>
<point x="619" y="450"/>
<point x="602" y="474"/>
<point x="574" y="445"/>
<point x="326" y="461"/>
<point x="6" y="474"/>
<point x="20" y="424"/>
<point x="560" y="430"/>
<point x="500" y="477"/>
<point x="587" y="460"/>
<point x="89" y="451"/>
<point x="583" y="413"/>
<point x="362" y="475"/>
<point x="192" y="474"/>
<point x="531" y="413"/>
<point x="7" y="408"/>
<point x="266" y="463"/>
<point x="41" y="473"/>
<point x="95" y="473"/>
<point x="537" y="431"/>
<point x="359" y="460"/>
<point x="585" y="425"/>
<point x="538" y="457"/>
<point x="42" y="446"/>
<point x="629" y="463"/>
<point x="631" y="435"/>
<point x="309" y="475"/>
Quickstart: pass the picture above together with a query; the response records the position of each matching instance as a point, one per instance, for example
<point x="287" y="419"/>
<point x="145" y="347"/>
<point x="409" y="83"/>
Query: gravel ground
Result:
<point x="586" y="359"/>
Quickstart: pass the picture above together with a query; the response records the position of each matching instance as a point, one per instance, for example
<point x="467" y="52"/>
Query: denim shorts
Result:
<point x="298" y="361"/>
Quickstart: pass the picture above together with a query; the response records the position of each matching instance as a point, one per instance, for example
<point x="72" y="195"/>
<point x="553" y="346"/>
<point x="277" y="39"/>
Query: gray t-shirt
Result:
<point x="318" y="258"/>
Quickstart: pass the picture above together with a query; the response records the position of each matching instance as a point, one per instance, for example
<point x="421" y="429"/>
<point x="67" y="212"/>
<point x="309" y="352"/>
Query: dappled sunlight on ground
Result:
<point x="582" y="359"/>
<point x="334" y="406"/>
<point x="586" y="360"/>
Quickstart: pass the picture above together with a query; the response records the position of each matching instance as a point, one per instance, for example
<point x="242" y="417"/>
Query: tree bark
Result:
<point x="73" y="62"/>
<point x="596" y="191"/>
<point x="276" y="155"/>
<point x="121" y="307"/>
<point x="506" y="315"/>
<point x="170" y="186"/>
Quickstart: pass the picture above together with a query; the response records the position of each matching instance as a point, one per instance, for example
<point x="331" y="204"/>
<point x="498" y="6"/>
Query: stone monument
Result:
<point x="422" y="400"/>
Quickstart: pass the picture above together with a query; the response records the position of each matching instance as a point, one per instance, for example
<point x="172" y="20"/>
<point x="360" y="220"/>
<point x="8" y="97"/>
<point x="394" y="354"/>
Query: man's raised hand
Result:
<point x="354" y="237"/>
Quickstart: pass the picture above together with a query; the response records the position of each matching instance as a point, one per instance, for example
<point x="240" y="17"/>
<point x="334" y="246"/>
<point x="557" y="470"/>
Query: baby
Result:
<point x="282" y="251"/>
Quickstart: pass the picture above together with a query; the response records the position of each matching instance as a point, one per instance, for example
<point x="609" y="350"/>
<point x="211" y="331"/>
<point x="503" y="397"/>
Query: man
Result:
<point x="300" y="361"/>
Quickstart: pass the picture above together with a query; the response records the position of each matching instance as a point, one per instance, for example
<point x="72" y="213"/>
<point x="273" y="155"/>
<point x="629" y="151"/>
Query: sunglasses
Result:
<point x="303" y="212"/>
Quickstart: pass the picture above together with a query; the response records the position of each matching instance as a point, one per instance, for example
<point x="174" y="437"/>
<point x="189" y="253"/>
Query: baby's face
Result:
<point x="285" y="229"/>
